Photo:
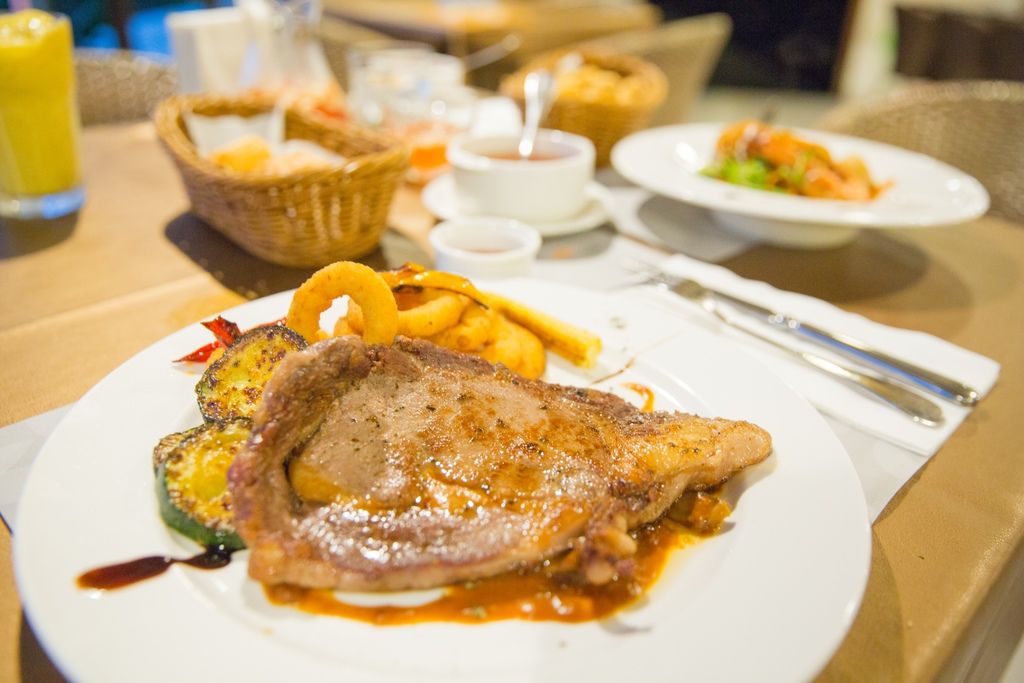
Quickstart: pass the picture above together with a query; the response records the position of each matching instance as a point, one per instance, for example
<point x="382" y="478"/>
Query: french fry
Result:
<point x="572" y="343"/>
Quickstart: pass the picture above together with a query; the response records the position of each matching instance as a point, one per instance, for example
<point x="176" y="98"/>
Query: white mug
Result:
<point x="491" y="180"/>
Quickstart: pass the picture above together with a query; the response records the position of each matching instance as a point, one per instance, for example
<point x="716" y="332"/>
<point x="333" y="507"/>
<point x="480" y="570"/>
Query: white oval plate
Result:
<point x="439" y="199"/>
<point x="768" y="600"/>
<point x="925" y="192"/>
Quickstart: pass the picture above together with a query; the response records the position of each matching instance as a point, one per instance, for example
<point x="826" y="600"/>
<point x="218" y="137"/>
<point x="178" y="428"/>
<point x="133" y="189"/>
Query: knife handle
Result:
<point x="887" y="366"/>
<point x="918" y="407"/>
<point x="899" y="369"/>
<point x="882" y="387"/>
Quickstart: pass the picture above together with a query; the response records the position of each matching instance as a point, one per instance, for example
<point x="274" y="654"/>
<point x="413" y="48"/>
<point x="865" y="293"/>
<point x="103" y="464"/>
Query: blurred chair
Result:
<point x="336" y="36"/>
<point x="117" y="85"/>
<point x="527" y="30"/>
<point x="987" y="46"/>
<point x="974" y="125"/>
<point x="687" y="50"/>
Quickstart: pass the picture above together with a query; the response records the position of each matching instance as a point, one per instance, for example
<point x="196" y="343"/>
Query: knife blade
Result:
<point x="844" y="345"/>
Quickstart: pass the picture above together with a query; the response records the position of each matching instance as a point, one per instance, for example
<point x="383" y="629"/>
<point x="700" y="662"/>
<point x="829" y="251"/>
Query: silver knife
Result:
<point x="919" y="408"/>
<point x="844" y="345"/>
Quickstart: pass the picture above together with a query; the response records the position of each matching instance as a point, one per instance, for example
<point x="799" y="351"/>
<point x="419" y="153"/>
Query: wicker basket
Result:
<point x="302" y="219"/>
<point x="604" y="123"/>
<point x="117" y="85"/>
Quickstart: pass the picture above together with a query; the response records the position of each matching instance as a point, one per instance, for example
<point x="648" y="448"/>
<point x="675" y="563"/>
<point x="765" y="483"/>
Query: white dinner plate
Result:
<point x="769" y="599"/>
<point x="925" y="192"/>
<point x="439" y="199"/>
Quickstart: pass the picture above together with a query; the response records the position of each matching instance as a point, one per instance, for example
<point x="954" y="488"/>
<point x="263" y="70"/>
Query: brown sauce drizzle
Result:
<point x="538" y="594"/>
<point x="616" y="373"/>
<point x="532" y="595"/>
<point x="129" y="573"/>
<point x="644" y="392"/>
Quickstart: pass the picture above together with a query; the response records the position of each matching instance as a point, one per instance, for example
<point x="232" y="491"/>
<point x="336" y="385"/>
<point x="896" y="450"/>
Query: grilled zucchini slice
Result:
<point x="167" y="444"/>
<point x="192" y="483"/>
<point x="233" y="384"/>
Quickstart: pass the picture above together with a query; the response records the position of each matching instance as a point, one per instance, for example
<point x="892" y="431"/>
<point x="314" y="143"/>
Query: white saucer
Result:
<point x="439" y="198"/>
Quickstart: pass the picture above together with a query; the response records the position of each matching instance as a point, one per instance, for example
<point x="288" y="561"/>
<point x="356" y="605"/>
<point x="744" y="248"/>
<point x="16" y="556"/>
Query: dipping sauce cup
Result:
<point x="40" y="170"/>
<point x="485" y="247"/>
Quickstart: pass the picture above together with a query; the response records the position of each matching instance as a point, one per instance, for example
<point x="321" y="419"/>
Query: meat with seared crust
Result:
<point x="411" y="466"/>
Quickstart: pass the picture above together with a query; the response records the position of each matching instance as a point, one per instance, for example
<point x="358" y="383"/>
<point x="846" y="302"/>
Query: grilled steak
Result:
<point x="410" y="466"/>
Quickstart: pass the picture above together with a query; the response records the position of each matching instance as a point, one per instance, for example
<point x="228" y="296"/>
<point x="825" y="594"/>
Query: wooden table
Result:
<point x="945" y="595"/>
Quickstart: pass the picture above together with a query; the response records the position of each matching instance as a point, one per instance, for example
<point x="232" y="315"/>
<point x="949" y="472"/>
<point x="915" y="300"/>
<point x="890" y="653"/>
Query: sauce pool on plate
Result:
<point x="540" y="594"/>
<point x="544" y="593"/>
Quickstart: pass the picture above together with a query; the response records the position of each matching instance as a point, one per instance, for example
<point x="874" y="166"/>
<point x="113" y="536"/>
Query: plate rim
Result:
<point x="45" y="631"/>
<point x="749" y="202"/>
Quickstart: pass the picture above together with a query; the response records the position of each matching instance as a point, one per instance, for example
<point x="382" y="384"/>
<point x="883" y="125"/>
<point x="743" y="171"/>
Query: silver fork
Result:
<point x="919" y="408"/>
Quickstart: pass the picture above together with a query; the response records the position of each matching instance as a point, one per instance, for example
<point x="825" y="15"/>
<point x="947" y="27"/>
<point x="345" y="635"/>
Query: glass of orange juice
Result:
<point x="40" y="170"/>
<point x="426" y="118"/>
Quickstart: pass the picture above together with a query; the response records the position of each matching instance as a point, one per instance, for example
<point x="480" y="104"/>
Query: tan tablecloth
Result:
<point x="945" y="596"/>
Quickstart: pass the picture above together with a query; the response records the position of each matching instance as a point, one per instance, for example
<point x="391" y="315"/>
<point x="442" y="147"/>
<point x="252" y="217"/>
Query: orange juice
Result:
<point x="38" y="114"/>
<point x="428" y="143"/>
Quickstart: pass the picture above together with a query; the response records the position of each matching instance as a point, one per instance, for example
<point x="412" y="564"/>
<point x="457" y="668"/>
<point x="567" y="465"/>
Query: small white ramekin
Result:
<point x="481" y="247"/>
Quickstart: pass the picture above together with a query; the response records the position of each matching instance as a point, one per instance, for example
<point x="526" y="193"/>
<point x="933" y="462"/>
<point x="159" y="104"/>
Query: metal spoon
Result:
<point x="537" y="92"/>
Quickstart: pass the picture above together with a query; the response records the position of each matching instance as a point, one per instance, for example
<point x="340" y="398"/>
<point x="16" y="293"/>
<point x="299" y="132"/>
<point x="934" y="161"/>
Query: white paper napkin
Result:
<point x="209" y="133"/>
<point x="19" y="445"/>
<point x="230" y="49"/>
<point x="209" y="49"/>
<point x="831" y="396"/>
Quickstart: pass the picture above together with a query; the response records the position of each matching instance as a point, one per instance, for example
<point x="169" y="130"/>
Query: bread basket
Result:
<point x="305" y="218"/>
<point x="604" y="122"/>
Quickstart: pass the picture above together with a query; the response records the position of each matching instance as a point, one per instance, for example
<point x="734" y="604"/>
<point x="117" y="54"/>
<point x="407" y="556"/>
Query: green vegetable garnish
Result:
<point x="749" y="173"/>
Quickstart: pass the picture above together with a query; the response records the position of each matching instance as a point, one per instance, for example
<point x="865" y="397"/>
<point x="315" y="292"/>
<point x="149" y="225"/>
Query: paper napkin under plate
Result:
<point x="830" y="395"/>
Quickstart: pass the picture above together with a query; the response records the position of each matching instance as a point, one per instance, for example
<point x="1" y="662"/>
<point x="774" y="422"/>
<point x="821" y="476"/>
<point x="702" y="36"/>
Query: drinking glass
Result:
<point x="426" y="118"/>
<point x="378" y="71"/>
<point x="40" y="169"/>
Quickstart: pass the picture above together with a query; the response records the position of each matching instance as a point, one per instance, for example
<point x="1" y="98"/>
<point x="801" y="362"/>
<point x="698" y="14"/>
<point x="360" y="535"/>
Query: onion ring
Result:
<point x="362" y="285"/>
<point x="475" y="330"/>
<point x="435" y="312"/>
<point x="439" y="311"/>
<point x="505" y="348"/>
<point x="533" y="359"/>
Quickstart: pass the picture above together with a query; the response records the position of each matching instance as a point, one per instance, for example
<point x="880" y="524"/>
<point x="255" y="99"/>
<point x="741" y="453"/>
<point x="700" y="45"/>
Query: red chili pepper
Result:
<point x="224" y="330"/>
<point x="200" y="355"/>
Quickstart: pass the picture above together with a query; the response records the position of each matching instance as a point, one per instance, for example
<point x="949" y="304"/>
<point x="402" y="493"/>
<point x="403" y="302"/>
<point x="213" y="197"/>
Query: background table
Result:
<point x="945" y="595"/>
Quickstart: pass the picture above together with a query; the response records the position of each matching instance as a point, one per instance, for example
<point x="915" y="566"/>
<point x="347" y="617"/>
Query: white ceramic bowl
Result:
<point x="925" y="192"/>
<point x="485" y="247"/>
<point x="544" y="190"/>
